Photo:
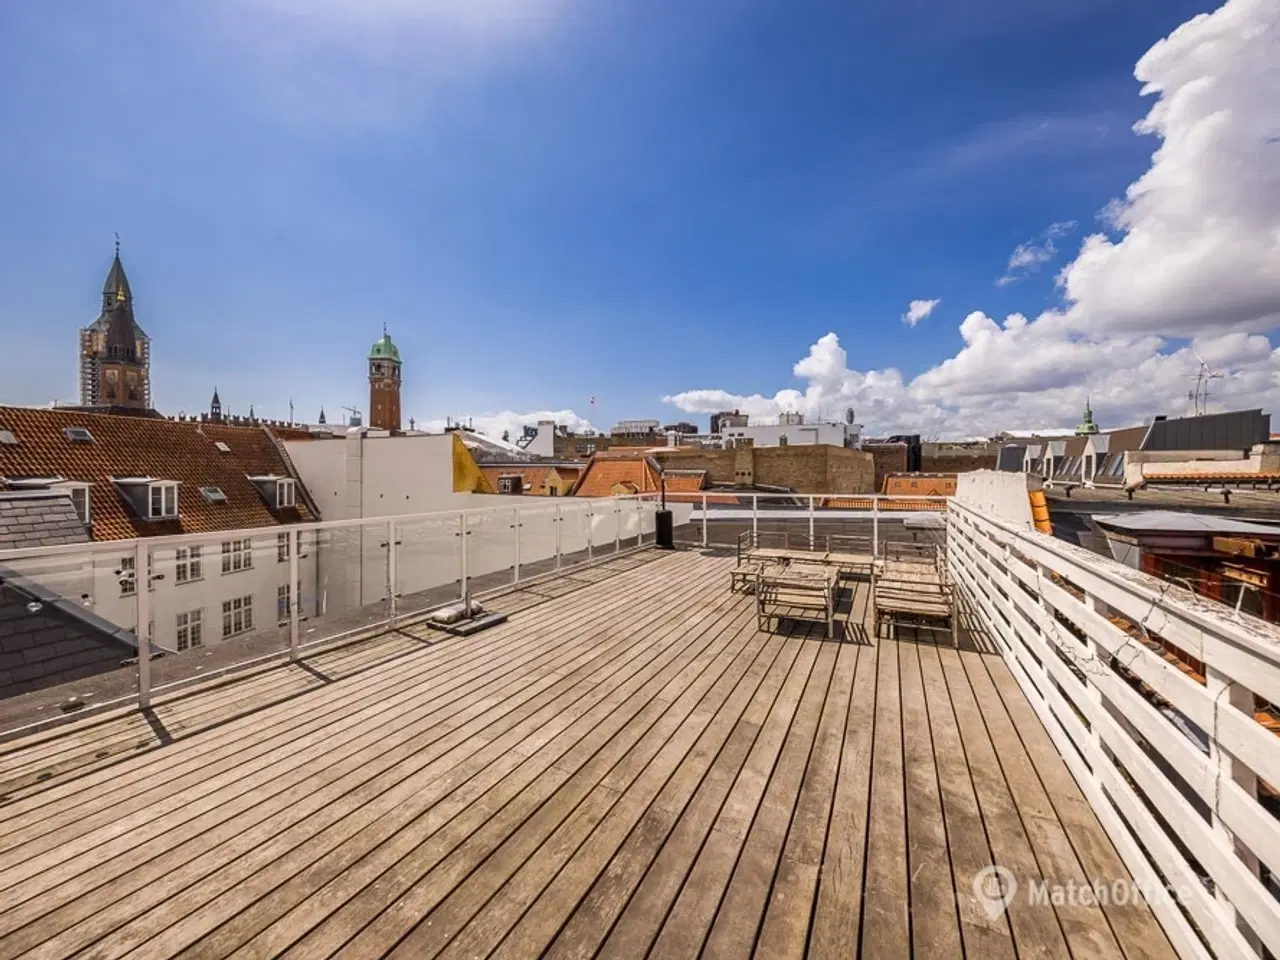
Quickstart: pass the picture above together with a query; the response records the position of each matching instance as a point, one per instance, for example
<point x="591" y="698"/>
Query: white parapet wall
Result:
<point x="999" y="494"/>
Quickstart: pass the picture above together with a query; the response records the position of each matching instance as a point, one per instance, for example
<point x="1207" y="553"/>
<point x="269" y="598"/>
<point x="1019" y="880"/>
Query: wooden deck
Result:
<point x="625" y="768"/>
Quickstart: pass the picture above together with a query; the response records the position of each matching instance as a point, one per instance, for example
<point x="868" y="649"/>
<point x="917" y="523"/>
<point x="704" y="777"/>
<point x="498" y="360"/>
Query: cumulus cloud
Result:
<point x="1192" y="253"/>
<point x="917" y="310"/>
<point x="512" y="423"/>
<point x="1031" y="256"/>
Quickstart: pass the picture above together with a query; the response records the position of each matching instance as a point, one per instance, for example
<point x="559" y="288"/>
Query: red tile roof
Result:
<point x="685" y="481"/>
<point x="633" y="473"/>
<point x="125" y="446"/>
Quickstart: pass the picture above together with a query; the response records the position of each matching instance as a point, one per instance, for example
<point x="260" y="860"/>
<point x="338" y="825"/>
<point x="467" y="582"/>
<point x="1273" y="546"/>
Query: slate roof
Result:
<point x="39" y="518"/>
<point x="126" y="446"/>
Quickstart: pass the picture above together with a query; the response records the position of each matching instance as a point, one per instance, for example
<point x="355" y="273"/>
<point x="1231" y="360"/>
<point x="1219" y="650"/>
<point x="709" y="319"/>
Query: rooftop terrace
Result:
<point x="627" y="767"/>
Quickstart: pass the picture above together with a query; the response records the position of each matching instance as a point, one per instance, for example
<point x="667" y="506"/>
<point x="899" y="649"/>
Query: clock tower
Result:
<point x="384" y="384"/>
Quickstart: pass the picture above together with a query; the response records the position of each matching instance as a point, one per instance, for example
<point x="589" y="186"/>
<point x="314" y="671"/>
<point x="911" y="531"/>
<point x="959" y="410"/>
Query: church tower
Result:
<point x="93" y="342"/>
<point x="384" y="384"/>
<point x="215" y="407"/>
<point x="121" y="376"/>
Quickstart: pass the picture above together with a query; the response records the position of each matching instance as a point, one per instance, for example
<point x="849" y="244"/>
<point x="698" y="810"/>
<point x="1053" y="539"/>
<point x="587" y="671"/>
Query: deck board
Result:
<point x="626" y="768"/>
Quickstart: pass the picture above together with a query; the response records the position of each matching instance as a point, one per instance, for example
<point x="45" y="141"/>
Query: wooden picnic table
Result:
<point x="798" y="587"/>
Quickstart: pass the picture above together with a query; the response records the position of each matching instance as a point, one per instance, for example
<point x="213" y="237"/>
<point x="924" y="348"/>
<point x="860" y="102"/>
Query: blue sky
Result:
<point x="546" y="200"/>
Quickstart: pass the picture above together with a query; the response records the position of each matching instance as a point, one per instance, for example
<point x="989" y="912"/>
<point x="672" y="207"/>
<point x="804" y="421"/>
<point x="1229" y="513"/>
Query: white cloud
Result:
<point x="1196" y="254"/>
<point x="510" y="422"/>
<point x="917" y="310"/>
<point x="1031" y="256"/>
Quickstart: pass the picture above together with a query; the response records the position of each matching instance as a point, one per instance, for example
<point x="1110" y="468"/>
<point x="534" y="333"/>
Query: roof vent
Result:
<point x="213" y="494"/>
<point x="78" y="435"/>
<point x="222" y="447"/>
<point x="7" y="438"/>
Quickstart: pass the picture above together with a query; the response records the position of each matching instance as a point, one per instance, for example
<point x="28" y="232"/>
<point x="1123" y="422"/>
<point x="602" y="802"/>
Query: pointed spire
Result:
<point x="322" y="420"/>
<point x="216" y="401"/>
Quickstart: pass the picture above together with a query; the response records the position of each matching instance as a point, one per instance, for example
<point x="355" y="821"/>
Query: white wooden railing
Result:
<point x="1170" y="761"/>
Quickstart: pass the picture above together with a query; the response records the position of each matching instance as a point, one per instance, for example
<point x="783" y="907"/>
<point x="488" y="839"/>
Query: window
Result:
<point x="78" y="435"/>
<point x="1117" y="468"/>
<point x="164" y="501"/>
<point x="213" y="494"/>
<point x="507" y="484"/>
<point x="128" y="575"/>
<point x="187" y="564"/>
<point x="284" y="601"/>
<point x="80" y="500"/>
<point x="221" y="447"/>
<point x="7" y="438"/>
<point x="237" y="555"/>
<point x="237" y="616"/>
<point x="282" y="547"/>
<point x="286" y="494"/>
<point x="190" y="630"/>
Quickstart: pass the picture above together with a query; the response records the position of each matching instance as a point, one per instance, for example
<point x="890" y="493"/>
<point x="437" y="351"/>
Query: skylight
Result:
<point x="7" y="438"/>
<point x="78" y="435"/>
<point x="213" y="494"/>
<point x="222" y="447"/>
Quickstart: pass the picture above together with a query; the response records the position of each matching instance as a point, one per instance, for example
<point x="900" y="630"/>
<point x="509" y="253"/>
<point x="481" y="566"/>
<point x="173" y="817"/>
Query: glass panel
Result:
<point x="428" y="563"/>
<point x="575" y="527"/>
<point x="604" y="526"/>
<point x="537" y="541"/>
<point x="68" y="623"/>
<point x="629" y="518"/>
<point x="490" y="556"/>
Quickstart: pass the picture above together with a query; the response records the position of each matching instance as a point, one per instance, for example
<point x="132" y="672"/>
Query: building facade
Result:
<point x="96" y="363"/>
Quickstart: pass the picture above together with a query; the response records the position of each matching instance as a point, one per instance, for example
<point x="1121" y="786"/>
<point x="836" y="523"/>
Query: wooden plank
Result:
<point x="935" y="922"/>
<point x="737" y="923"/>
<point x="837" y="915"/>
<point x="886" y="928"/>
<point x="587" y="928"/>
<point x="785" y="930"/>
<point x="691" y="916"/>
<point x="642" y="919"/>
<point x="1136" y="929"/>
<point x="1083" y="924"/>
<point x="984" y="936"/>
<point x="1035" y="927"/>
<point x="365" y="764"/>
<point x="429" y="877"/>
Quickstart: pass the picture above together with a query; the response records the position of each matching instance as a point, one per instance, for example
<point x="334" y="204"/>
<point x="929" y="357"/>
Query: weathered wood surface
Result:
<point x="629" y="769"/>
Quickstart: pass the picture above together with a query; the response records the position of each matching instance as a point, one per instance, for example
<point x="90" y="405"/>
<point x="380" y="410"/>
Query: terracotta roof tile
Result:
<point x="604" y="473"/>
<point x="124" y="446"/>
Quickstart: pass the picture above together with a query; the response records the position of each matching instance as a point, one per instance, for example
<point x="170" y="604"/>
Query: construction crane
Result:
<point x="357" y="418"/>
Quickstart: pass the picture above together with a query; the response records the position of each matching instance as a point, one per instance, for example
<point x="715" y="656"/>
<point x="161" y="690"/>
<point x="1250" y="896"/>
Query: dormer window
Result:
<point x="164" y="501"/>
<point x="286" y="494"/>
<point x="80" y="500"/>
<point x="278" y="492"/>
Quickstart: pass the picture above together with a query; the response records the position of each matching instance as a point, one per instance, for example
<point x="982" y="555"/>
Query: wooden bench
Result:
<point x="911" y="588"/>
<point x="743" y="576"/>
<point x="790" y="593"/>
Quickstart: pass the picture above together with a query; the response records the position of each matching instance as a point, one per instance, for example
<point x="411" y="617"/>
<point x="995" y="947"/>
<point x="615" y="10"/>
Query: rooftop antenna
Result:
<point x="1200" y="396"/>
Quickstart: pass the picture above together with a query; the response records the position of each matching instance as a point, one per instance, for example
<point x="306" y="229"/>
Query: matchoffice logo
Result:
<point x="995" y="888"/>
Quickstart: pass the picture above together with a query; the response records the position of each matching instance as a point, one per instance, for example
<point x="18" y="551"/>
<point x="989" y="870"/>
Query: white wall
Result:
<point x="770" y="435"/>
<point x="999" y="494"/>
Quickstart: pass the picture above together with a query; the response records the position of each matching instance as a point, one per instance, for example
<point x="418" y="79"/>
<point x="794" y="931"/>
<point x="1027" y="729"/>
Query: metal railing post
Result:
<point x="515" y="525"/>
<point x="462" y="539"/>
<point x="875" y="526"/>
<point x="617" y="526"/>
<point x="391" y="568"/>
<point x="295" y="548"/>
<point x="755" y="516"/>
<point x="704" y="520"/>
<point x="811" y="523"/>
<point x="142" y="590"/>
<point x="591" y="516"/>
<point x="559" y="522"/>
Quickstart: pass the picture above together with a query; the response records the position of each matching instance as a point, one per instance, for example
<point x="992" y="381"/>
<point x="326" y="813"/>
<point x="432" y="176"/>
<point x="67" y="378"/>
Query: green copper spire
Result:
<point x="1087" y="427"/>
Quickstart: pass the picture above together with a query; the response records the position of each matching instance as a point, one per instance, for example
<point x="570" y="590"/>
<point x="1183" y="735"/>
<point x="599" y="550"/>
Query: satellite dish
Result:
<point x="848" y="415"/>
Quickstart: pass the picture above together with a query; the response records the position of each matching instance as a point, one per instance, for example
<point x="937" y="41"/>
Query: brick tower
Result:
<point x="384" y="384"/>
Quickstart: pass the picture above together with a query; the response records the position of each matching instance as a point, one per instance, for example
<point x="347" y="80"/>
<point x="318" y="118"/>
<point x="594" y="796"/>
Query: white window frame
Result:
<point x="167" y="496"/>
<point x="84" y="508"/>
<point x="188" y="564"/>
<point x="237" y="616"/>
<point x="189" y="630"/>
<point x="237" y="555"/>
<point x="286" y="494"/>
<point x="282" y="547"/>
<point x="128" y="577"/>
